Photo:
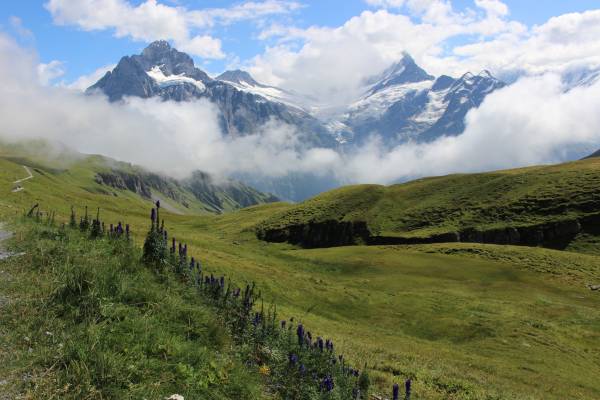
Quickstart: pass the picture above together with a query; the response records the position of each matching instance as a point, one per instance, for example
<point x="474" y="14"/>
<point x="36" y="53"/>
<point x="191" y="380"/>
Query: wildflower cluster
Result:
<point x="97" y="229"/>
<point x="295" y="364"/>
<point x="155" y="245"/>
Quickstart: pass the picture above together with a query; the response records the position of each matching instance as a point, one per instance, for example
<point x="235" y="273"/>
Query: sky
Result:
<point x="77" y="41"/>
<point x="52" y="50"/>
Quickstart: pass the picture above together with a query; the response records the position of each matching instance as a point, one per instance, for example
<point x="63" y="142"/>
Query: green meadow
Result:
<point x="465" y="321"/>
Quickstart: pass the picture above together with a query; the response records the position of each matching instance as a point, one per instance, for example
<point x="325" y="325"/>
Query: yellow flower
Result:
<point x="264" y="370"/>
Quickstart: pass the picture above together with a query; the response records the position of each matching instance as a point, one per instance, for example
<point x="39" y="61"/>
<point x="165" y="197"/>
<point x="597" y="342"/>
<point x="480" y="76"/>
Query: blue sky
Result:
<point x="82" y="52"/>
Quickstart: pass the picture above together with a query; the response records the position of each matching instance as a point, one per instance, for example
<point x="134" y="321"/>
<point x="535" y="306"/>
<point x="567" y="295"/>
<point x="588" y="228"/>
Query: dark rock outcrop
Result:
<point x="124" y="181"/>
<point x="555" y="235"/>
<point x="328" y="233"/>
<point x="218" y="196"/>
<point x="241" y="113"/>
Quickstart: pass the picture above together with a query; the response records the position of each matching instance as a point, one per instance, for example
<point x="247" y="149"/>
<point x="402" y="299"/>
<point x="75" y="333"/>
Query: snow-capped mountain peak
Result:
<point x="243" y="81"/>
<point x="405" y="102"/>
<point x="402" y="72"/>
<point x="238" y="76"/>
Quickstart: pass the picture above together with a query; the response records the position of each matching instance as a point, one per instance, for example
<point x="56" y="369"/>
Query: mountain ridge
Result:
<point x="399" y="104"/>
<point x="403" y="103"/>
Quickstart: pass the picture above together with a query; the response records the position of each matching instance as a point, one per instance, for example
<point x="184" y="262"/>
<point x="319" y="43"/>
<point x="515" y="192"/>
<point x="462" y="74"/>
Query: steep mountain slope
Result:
<point x="405" y="102"/>
<point x="594" y="154"/>
<point x="161" y="71"/>
<point x="554" y="206"/>
<point x="401" y="104"/>
<point x="243" y="81"/>
<point x="112" y="179"/>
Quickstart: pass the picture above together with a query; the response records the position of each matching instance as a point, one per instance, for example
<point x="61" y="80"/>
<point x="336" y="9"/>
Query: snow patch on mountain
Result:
<point x="375" y="104"/>
<point x="163" y="80"/>
<point x="436" y="106"/>
<point x="243" y="81"/>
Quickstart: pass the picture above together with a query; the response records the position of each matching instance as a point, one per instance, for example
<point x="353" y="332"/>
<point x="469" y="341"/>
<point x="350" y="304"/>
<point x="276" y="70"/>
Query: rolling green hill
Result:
<point x="554" y="206"/>
<point x="96" y="174"/>
<point x="464" y="320"/>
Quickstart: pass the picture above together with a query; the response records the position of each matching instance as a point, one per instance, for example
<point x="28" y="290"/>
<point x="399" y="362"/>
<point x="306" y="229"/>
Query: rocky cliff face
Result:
<point x="406" y="103"/>
<point x="216" y="196"/>
<point x="328" y="233"/>
<point x="162" y="71"/>
<point x="331" y="233"/>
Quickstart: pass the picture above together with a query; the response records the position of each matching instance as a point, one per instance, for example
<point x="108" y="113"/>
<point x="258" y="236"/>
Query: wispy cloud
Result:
<point x="48" y="72"/>
<point x="532" y="121"/>
<point x="152" y="20"/>
<point x="85" y="81"/>
<point x="17" y="24"/>
<point x="331" y="62"/>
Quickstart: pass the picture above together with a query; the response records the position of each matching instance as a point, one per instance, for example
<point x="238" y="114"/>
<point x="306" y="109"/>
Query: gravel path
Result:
<point x="3" y="236"/>
<point x="17" y="183"/>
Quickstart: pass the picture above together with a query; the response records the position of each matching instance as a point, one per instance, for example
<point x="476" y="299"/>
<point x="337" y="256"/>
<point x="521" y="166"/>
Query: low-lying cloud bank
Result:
<point x="530" y="122"/>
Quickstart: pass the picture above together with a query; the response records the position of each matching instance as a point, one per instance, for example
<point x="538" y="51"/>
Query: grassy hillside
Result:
<point x="84" y="319"/>
<point x="441" y="205"/>
<point x="466" y="321"/>
<point x="101" y="175"/>
<point x="469" y="321"/>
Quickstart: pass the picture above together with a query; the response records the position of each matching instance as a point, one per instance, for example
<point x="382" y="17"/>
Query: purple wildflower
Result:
<point x="407" y="388"/>
<point x="300" y="333"/>
<point x="302" y="369"/>
<point x="293" y="358"/>
<point x="153" y="215"/>
<point x="283" y="324"/>
<point x="327" y="383"/>
<point x="320" y="343"/>
<point x="395" y="391"/>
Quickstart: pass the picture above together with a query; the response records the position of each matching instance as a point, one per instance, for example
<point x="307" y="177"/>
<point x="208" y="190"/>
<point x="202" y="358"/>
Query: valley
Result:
<point x="464" y="320"/>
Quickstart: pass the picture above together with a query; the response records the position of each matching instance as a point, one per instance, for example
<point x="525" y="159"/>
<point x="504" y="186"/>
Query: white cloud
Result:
<point x="85" y="81"/>
<point x="205" y="45"/>
<point x="555" y="46"/>
<point x="386" y="3"/>
<point x="331" y="63"/>
<point x="495" y="7"/>
<point x="50" y="71"/>
<point x="244" y="11"/>
<point x="152" y="20"/>
<point x="168" y="137"/>
<point x="530" y="122"/>
<point x="533" y="121"/>
<point x="17" y="24"/>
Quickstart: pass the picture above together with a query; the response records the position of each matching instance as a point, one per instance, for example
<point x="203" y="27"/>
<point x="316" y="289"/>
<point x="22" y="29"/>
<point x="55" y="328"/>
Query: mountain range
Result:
<point x="404" y="103"/>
